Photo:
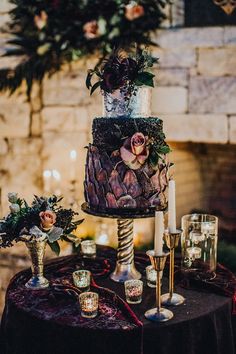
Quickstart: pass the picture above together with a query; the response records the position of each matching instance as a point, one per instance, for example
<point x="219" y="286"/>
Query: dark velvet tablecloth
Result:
<point x="49" y="321"/>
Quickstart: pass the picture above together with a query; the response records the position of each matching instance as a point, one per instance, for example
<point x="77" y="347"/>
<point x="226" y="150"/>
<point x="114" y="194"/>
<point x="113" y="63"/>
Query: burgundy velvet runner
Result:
<point x="60" y="304"/>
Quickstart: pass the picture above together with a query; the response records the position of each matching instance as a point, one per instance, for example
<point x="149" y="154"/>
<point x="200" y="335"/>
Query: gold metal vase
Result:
<point x="36" y="252"/>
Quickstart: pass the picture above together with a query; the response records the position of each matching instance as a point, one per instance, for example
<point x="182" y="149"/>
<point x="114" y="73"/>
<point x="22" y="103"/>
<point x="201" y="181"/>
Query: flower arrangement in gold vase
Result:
<point x="41" y="223"/>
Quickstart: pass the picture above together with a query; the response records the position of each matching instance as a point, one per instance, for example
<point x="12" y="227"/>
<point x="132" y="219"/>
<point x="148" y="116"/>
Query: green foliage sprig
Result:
<point x="46" y="34"/>
<point x="44" y="219"/>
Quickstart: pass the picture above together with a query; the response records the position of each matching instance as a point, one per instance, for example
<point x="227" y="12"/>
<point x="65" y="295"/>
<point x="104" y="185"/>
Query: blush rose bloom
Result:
<point x="91" y="29"/>
<point x="40" y="21"/>
<point x="133" y="11"/>
<point x="48" y="219"/>
<point x="135" y="151"/>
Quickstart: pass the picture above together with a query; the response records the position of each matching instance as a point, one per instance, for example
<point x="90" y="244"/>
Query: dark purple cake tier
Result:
<point x="126" y="165"/>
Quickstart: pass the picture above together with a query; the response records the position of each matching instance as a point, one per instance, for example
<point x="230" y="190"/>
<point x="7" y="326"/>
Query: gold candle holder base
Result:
<point x="174" y="300"/>
<point x="158" y="314"/>
<point x="171" y="298"/>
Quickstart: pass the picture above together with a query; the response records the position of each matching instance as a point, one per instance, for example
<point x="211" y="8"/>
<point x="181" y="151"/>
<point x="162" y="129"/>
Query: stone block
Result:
<point x="212" y="95"/>
<point x="171" y="77"/>
<point x="58" y="119"/>
<point x="56" y="155"/>
<point x="14" y="116"/>
<point x="169" y="100"/>
<point x="67" y="89"/>
<point x="190" y="37"/>
<point x="5" y="6"/>
<point x="25" y="147"/>
<point x="203" y="128"/>
<point x="217" y="61"/>
<point x="230" y="35"/>
<point x="82" y="119"/>
<point x="232" y="130"/>
<point x="176" y="57"/>
<point x="3" y="146"/>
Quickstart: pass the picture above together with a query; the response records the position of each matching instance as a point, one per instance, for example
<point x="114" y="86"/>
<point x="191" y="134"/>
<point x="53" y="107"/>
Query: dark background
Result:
<point x="206" y="13"/>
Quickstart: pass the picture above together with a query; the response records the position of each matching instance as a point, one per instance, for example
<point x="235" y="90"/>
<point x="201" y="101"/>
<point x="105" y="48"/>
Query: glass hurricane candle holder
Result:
<point x="88" y="248"/>
<point x="82" y="279"/>
<point x="151" y="276"/>
<point x="199" y="242"/>
<point x="88" y="304"/>
<point x="133" y="291"/>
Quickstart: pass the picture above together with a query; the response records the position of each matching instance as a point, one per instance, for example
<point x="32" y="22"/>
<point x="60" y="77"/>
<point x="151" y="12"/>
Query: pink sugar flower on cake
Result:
<point x="135" y="151"/>
<point x="133" y="11"/>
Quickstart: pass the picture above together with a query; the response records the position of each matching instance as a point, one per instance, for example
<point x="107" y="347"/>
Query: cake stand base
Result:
<point x="174" y="300"/>
<point x="125" y="272"/>
<point x="158" y="316"/>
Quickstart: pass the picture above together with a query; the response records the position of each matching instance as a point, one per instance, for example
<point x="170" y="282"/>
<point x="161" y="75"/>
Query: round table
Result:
<point x="31" y="323"/>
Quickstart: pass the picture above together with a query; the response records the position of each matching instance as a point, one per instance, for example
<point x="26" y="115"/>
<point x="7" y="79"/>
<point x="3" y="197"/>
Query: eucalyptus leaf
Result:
<point x="55" y="234"/>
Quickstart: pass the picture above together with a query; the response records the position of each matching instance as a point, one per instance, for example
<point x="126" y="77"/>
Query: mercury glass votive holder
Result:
<point x="88" y="248"/>
<point x="133" y="291"/>
<point x="151" y="276"/>
<point x="88" y="304"/>
<point x="82" y="279"/>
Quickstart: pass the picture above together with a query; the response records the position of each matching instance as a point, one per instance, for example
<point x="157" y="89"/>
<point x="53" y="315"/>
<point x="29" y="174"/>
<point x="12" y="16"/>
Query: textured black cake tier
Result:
<point x="109" y="132"/>
<point x="121" y="172"/>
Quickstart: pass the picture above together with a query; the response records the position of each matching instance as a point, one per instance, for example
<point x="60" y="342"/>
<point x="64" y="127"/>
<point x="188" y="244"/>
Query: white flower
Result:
<point x="12" y="197"/>
<point x="38" y="235"/>
<point x="15" y="208"/>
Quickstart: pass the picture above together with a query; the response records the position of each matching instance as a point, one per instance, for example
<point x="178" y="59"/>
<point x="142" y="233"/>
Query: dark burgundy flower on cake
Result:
<point x="117" y="72"/>
<point x="135" y="151"/>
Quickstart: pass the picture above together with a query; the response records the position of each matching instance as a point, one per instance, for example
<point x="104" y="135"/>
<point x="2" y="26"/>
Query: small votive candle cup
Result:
<point x="88" y="248"/>
<point x="151" y="276"/>
<point x="88" y="304"/>
<point x="133" y="291"/>
<point x="82" y="279"/>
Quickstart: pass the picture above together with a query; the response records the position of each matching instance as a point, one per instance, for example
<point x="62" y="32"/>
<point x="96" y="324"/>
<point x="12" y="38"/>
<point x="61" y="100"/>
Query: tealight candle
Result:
<point x="88" y="248"/>
<point x="88" y="304"/>
<point x="81" y="279"/>
<point x="133" y="291"/>
<point x="194" y="252"/>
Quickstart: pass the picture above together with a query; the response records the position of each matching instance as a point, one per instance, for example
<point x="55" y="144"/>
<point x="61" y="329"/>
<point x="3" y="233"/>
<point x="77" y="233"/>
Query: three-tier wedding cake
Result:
<point x="126" y="165"/>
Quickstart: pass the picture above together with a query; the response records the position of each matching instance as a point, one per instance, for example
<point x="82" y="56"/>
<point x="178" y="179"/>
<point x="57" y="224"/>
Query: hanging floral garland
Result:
<point x="48" y="33"/>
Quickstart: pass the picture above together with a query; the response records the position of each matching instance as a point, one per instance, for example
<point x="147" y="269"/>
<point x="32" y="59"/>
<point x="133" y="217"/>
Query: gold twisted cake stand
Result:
<point x="125" y="267"/>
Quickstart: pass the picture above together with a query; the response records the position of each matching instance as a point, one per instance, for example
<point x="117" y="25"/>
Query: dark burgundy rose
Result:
<point x="130" y="68"/>
<point x="117" y="72"/>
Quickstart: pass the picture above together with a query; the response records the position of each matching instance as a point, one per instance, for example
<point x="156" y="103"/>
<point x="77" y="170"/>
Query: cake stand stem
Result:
<point x="125" y="268"/>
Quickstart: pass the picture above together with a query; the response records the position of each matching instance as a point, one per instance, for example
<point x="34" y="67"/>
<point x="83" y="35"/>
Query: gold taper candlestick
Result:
<point x="158" y="314"/>
<point x="171" y="298"/>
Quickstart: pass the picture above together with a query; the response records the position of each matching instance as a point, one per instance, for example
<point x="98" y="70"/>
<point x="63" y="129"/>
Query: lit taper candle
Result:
<point x="171" y="207"/>
<point x="159" y="231"/>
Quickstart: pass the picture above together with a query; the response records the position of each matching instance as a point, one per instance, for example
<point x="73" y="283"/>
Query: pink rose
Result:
<point x="133" y="11"/>
<point x="91" y="29"/>
<point x="48" y="219"/>
<point x="135" y="151"/>
<point x="40" y="21"/>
